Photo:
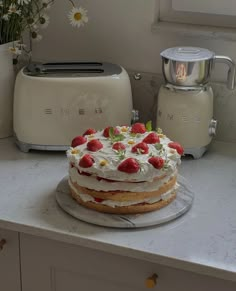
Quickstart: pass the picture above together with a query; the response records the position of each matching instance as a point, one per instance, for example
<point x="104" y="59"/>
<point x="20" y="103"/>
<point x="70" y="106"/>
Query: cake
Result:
<point x="123" y="169"/>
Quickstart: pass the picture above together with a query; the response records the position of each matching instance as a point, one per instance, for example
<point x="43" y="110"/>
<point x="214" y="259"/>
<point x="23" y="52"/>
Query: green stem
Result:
<point x="72" y="3"/>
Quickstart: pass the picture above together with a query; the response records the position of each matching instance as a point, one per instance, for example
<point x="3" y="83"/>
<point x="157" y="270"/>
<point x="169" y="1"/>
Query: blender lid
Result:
<point x="187" y="54"/>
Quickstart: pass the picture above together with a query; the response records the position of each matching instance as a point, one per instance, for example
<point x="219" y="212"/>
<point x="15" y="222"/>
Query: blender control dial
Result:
<point x="212" y="127"/>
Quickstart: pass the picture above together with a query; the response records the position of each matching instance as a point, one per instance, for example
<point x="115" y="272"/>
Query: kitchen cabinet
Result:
<point x="9" y="261"/>
<point x="55" y="266"/>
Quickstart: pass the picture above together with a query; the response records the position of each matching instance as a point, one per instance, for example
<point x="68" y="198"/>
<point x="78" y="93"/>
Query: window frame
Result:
<point x="168" y="14"/>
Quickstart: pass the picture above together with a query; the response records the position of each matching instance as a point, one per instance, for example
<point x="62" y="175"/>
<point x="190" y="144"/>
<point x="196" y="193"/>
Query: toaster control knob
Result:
<point x="137" y="76"/>
<point x="135" y="116"/>
<point x="212" y="127"/>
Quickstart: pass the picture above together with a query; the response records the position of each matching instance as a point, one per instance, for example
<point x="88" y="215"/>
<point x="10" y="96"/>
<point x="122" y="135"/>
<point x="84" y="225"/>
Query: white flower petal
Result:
<point x="78" y="16"/>
<point x="15" y="51"/>
<point x="23" y="2"/>
<point x="5" y="17"/>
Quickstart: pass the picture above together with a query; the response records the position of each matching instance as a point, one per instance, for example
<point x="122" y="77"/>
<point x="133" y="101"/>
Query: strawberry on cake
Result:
<point x="124" y="169"/>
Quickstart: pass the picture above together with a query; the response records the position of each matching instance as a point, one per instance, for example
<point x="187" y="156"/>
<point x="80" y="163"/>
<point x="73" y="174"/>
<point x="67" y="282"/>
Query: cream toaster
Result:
<point x="54" y="102"/>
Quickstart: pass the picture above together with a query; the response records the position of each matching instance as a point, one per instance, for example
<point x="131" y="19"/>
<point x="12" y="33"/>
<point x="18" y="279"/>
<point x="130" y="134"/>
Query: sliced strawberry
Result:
<point x="140" y="148"/>
<point x="177" y="147"/>
<point x="152" y="138"/>
<point x="118" y="146"/>
<point x="138" y="128"/>
<point x="104" y="179"/>
<point x="89" y="131"/>
<point x="129" y="166"/>
<point x="86" y="161"/>
<point x="98" y="199"/>
<point x="84" y="173"/>
<point x="107" y="131"/>
<point x="157" y="162"/>
<point x="116" y="131"/>
<point x="94" y="145"/>
<point x="78" y="140"/>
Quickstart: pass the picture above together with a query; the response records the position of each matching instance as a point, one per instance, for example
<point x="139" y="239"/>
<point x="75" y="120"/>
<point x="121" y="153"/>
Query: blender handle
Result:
<point x="231" y="72"/>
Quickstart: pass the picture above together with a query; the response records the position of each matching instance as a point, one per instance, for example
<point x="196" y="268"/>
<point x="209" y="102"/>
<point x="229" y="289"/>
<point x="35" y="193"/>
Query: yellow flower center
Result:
<point x="12" y="49"/>
<point x="74" y="152"/>
<point x="124" y="129"/>
<point x="77" y="16"/>
<point x="161" y="135"/>
<point x="103" y="163"/>
<point x="131" y="141"/>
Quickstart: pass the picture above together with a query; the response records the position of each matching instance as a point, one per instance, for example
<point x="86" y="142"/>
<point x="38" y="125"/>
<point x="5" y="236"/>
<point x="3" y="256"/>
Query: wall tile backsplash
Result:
<point x="225" y="112"/>
<point x="145" y="92"/>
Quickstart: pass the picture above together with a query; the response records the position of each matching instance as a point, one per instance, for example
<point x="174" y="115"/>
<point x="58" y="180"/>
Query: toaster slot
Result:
<point x="93" y="64"/>
<point x="66" y="67"/>
<point x="72" y="69"/>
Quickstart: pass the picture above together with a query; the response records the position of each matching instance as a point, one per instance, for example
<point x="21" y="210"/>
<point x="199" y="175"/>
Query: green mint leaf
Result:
<point x="111" y="132"/>
<point x="166" y="166"/>
<point x="149" y="125"/>
<point x="158" y="146"/>
<point x="133" y="134"/>
<point x="121" y="154"/>
<point x="118" y="137"/>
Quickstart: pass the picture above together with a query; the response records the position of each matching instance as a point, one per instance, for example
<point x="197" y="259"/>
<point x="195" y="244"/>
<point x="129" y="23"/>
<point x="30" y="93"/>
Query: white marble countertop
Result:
<point x="203" y="240"/>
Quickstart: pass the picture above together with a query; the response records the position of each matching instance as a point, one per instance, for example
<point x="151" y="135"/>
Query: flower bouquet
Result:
<point x="21" y="22"/>
<point x="26" y="18"/>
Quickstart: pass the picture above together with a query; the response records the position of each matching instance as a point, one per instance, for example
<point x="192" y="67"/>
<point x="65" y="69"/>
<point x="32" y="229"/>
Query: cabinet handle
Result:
<point x="2" y="243"/>
<point x="151" y="281"/>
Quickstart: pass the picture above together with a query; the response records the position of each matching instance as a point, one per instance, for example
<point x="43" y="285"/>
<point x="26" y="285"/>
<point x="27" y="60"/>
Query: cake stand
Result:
<point x="180" y="205"/>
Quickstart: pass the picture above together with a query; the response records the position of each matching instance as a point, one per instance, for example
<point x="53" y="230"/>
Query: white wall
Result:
<point x="118" y="31"/>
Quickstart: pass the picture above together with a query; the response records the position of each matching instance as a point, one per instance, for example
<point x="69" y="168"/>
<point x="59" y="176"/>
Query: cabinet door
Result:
<point x="53" y="266"/>
<point x="9" y="261"/>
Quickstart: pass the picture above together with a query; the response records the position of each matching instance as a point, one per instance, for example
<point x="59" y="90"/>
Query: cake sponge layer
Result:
<point x="125" y="195"/>
<point x="133" y="209"/>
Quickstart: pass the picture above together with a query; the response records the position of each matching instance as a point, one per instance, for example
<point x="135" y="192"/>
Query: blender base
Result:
<point x="197" y="153"/>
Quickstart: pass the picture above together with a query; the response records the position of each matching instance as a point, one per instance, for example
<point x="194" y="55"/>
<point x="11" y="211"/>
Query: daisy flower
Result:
<point x="19" y="45"/>
<point x="44" y="21"/>
<point x="5" y="17"/>
<point x="36" y="36"/>
<point x="22" y="2"/>
<point x="47" y="4"/>
<point x="12" y="9"/>
<point x="14" y="50"/>
<point x="78" y="16"/>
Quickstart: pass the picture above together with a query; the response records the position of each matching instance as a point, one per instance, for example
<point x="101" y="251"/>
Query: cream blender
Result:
<point x="185" y="101"/>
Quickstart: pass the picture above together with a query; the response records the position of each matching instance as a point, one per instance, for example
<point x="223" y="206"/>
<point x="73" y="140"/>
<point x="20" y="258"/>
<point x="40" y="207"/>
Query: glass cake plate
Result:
<point x="180" y="205"/>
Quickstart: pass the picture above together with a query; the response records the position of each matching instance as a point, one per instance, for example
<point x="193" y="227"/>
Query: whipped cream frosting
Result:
<point x="91" y="182"/>
<point x="108" y="170"/>
<point x="113" y="204"/>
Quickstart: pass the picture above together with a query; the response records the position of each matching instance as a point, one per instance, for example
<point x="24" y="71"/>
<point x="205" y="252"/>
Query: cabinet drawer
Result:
<point x="9" y="261"/>
<point x="53" y="266"/>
